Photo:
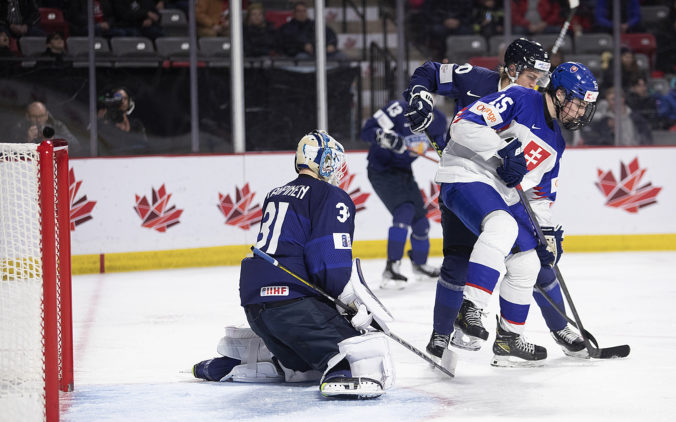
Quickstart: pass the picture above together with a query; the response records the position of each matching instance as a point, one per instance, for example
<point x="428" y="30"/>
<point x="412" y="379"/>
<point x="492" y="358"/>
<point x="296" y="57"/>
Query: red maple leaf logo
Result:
<point x="432" y="202"/>
<point x="80" y="209"/>
<point x="626" y="194"/>
<point x="358" y="197"/>
<point x="157" y="216"/>
<point x="534" y="155"/>
<point x="239" y="212"/>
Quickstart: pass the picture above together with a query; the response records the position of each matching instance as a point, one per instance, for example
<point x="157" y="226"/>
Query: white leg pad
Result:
<point x="255" y="372"/>
<point x="243" y="344"/>
<point x="368" y="356"/>
<point x="299" y="376"/>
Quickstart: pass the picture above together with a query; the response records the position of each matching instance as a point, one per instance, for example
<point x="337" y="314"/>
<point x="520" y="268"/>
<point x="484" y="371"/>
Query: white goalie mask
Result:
<point x="323" y="155"/>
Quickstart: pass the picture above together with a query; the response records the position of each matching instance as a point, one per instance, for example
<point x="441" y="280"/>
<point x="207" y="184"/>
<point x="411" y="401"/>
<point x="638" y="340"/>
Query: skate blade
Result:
<point x="466" y="342"/>
<point x="581" y="354"/>
<point x="515" y="362"/>
<point x="357" y="389"/>
<point x="389" y="284"/>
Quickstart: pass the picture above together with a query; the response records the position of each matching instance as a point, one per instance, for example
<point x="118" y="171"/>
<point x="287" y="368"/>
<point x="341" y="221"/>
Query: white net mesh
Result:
<point x="21" y="331"/>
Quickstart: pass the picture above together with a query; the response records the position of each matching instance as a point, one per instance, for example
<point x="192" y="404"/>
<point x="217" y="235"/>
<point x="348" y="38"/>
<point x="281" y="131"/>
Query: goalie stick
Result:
<point x="449" y="361"/>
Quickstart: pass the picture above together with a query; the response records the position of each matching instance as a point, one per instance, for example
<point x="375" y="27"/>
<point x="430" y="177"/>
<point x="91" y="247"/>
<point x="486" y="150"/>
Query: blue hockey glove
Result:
<point x="513" y="166"/>
<point x="390" y="140"/>
<point x="550" y="253"/>
<point x="420" y="106"/>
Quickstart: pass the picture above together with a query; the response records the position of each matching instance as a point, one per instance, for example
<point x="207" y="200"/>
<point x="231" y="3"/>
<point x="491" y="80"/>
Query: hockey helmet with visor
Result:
<point x="581" y="90"/>
<point x="323" y="155"/>
<point x="528" y="55"/>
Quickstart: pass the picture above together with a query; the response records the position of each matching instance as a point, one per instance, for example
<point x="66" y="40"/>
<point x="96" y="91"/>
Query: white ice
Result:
<point x="138" y="334"/>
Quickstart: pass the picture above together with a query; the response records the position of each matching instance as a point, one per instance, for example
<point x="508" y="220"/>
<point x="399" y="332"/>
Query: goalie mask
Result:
<point x="323" y="155"/>
<point x="581" y="90"/>
<point x="527" y="55"/>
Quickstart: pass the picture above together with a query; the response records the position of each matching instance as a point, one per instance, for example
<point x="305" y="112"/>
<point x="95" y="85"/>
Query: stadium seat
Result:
<point x="652" y="15"/>
<point x="497" y="41"/>
<point x="169" y="47"/>
<point x="215" y="46"/>
<point x="488" y="62"/>
<point x="174" y="22"/>
<point x="459" y="48"/>
<point x="643" y="43"/>
<point x="643" y="62"/>
<point x="133" y="52"/>
<point x="32" y="46"/>
<point x="51" y="20"/>
<point x="593" y="43"/>
<point x="278" y="17"/>
<point x="548" y="40"/>
<point x="592" y="61"/>
<point x="78" y="49"/>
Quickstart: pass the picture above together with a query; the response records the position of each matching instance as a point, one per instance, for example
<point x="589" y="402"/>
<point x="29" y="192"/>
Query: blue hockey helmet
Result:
<point x="323" y="155"/>
<point x="578" y="82"/>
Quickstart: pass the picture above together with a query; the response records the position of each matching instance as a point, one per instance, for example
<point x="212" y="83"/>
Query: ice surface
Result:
<point x="137" y="334"/>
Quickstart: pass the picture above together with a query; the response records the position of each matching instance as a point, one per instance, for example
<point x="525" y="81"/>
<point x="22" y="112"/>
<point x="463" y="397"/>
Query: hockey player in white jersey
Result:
<point x="297" y="334"/>
<point x="499" y="142"/>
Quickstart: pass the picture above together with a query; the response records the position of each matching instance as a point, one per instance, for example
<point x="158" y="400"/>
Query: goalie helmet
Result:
<point x="323" y="155"/>
<point x="528" y="55"/>
<point x="579" y="84"/>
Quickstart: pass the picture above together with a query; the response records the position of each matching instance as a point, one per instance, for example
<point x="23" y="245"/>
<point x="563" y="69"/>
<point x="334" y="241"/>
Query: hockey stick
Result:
<point x="564" y="28"/>
<point x="448" y="370"/>
<point x="594" y="352"/>
<point x="563" y="314"/>
<point x="414" y="152"/>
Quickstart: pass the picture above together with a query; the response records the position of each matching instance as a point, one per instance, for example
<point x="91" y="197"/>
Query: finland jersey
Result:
<point x="308" y="227"/>
<point x="392" y="118"/>
<point x="480" y="130"/>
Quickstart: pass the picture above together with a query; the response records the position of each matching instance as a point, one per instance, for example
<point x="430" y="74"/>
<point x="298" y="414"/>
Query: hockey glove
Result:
<point x="513" y="166"/>
<point x="550" y="253"/>
<point x="390" y="140"/>
<point x="420" y="106"/>
<point x="365" y="308"/>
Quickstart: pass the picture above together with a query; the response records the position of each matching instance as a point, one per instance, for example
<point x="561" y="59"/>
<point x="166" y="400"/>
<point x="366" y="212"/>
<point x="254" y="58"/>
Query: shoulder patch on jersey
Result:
<point x="342" y="241"/>
<point x="445" y="73"/>
<point x="274" y="291"/>
<point x="488" y="112"/>
<point x="383" y="120"/>
<point x="534" y="154"/>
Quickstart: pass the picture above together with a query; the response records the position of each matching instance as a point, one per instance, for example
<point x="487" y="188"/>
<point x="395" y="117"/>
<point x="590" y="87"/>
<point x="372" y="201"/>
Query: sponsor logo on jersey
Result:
<point x="469" y="94"/>
<point x="627" y="193"/>
<point x="80" y="209"/>
<point x="342" y="241"/>
<point x="445" y="73"/>
<point x="488" y="112"/>
<point x="157" y="215"/>
<point x="590" y="96"/>
<point x="534" y="154"/>
<point x="274" y="291"/>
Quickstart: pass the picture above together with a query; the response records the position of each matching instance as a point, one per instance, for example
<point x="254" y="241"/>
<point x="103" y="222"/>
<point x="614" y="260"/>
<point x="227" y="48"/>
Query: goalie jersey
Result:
<point x="307" y="226"/>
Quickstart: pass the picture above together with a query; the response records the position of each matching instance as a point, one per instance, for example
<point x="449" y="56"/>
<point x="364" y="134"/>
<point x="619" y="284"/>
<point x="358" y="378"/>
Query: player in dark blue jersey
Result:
<point x="308" y="227"/>
<point x="507" y="139"/>
<point x="393" y="148"/>
<point x="524" y="60"/>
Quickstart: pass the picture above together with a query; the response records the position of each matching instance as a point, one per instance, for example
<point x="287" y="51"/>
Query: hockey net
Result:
<point x="36" y="358"/>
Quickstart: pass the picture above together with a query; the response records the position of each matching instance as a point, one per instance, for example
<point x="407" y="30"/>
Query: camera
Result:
<point x="112" y="102"/>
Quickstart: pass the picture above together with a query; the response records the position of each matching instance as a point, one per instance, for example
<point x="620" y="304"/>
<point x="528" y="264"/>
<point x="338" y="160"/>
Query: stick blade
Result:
<point x="615" y="352"/>
<point x="449" y="360"/>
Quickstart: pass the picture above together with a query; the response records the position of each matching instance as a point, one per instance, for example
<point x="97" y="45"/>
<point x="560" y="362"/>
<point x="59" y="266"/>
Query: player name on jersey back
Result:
<point x="297" y="191"/>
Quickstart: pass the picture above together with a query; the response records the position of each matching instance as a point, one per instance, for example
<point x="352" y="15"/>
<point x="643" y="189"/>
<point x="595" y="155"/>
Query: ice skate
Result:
<point x="342" y="385"/>
<point x="437" y="344"/>
<point x="470" y="333"/>
<point x="424" y="272"/>
<point x="214" y="369"/>
<point x="511" y="350"/>
<point x="571" y="343"/>
<point x="393" y="279"/>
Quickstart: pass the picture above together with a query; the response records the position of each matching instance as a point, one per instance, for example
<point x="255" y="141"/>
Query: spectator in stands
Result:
<point x="137" y="18"/>
<point x="258" y="34"/>
<point x="119" y="134"/>
<point x="182" y="5"/>
<point x="297" y="36"/>
<point x="20" y="18"/>
<point x="488" y="17"/>
<point x="666" y="47"/>
<point x="5" y="50"/>
<point x="56" y="49"/>
<point x="104" y="18"/>
<point x="666" y="107"/>
<point x="444" y="18"/>
<point x="521" y="25"/>
<point x="555" y="12"/>
<point x="37" y="116"/>
<point x="641" y="102"/>
<point x="630" y="16"/>
<point x="635" y="130"/>
<point x="212" y="18"/>
<point x="628" y="67"/>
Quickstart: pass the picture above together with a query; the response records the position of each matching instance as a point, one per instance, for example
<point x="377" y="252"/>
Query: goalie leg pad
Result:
<point x="255" y="372"/>
<point x="243" y="344"/>
<point x="291" y="375"/>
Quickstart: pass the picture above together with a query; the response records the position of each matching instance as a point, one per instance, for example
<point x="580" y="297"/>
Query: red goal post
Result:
<point x="36" y="340"/>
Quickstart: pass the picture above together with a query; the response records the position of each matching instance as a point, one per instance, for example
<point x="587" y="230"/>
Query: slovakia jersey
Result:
<point x="307" y="226"/>
<point x="392" y="118"/>
<point x="482" y="128"/>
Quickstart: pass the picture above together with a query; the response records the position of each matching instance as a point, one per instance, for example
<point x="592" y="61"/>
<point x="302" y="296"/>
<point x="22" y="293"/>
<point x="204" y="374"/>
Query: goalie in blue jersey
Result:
<point x="393" y="148"/>
<point x="296" y="334"/>
<point x="507" y="139"/>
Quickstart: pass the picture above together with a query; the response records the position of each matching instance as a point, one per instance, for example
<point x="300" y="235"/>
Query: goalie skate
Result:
<point x="393" y="279"/>
<point x="512" y="350"/>
<point x="351" y="388"/>
<point x="571" y="343"/>
<point x="470" y="333"/>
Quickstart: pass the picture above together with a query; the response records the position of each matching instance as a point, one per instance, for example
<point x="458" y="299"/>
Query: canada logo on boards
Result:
<point x="80" y="209"/>
<point x="239" y="212"/>
<point x="534" y="155"/>
<point x="431" y="202"/>
<point x="157" y="214"/>
<point x="358" y="197"/>
<point x="626" y="193"/>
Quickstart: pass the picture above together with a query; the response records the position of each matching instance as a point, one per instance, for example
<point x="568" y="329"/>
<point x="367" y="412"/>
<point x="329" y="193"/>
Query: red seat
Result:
<point x="641" y="43"/>
<point x="51" y="20"/>
<point x="489" y="62"/>
<point x="278" y="17"/>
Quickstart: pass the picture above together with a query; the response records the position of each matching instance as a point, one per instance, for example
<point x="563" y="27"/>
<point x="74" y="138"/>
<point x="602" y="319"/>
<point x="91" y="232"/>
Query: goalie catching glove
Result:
<point x="550" y="253"/>
<point x="364" y="307"/>
<point x="420" y="109"/>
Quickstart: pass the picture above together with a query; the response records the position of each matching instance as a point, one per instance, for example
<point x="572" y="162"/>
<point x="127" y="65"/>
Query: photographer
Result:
<point x="119" y="134"/>
<point x="36" y="118"/>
